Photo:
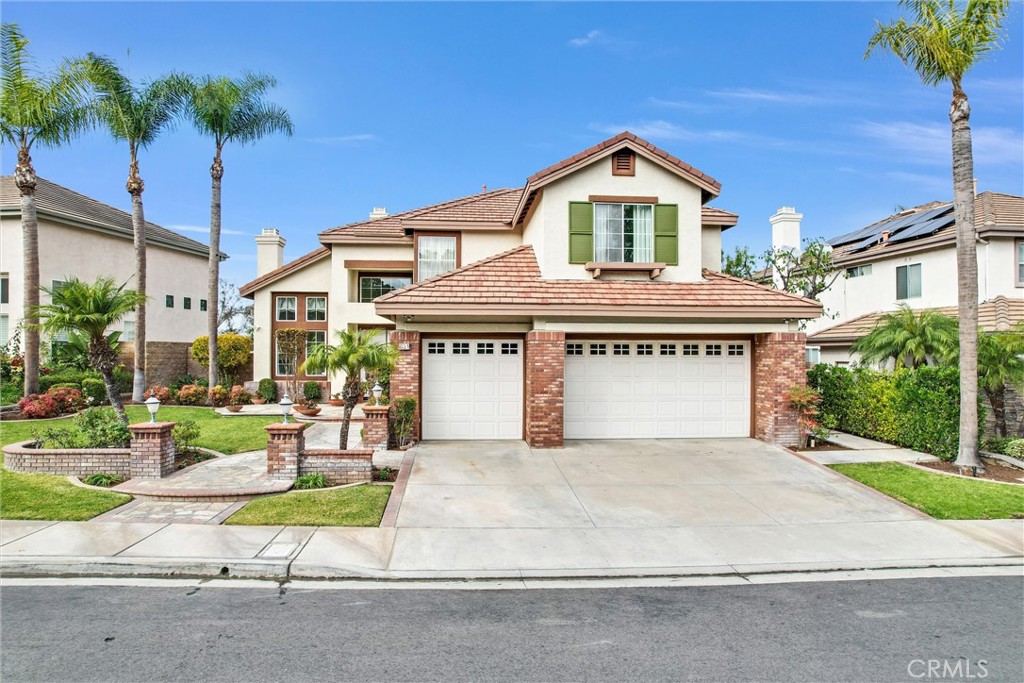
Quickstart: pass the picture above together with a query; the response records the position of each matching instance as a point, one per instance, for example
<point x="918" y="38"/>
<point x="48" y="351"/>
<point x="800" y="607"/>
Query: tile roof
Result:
<point x="995" y="315"/>
<point x="276" y="274"/>
<point x="641" y="145"/>
<point x="513" y="278"/>
<point x="59" y="202"/>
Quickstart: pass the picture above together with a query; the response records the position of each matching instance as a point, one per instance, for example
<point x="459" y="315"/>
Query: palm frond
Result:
<point x="234" y="109"/>
<point x="88" y="308"/>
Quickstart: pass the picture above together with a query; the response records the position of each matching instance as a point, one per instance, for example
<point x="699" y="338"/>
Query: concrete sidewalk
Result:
<point x="857" y="449"/>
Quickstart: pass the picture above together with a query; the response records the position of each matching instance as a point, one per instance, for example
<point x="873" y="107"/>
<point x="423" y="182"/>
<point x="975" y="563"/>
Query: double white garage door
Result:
<point x="473" y="389"/>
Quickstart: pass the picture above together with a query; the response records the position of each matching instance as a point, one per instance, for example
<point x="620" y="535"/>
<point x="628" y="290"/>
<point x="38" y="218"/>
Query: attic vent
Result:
<point x="624" y="163"/>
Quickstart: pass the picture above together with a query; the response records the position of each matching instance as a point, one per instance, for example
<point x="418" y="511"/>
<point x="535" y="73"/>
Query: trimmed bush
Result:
<point x="192" y="395"/>
<point x="311" y="391"/>
<point x="1015" y="449"/>
<point x="94" y="391"/>
<point x="233" y="351"/>
<point x="239" y="396"/>
<point x="219" y="396"/>
<point x="163" y="394"/>
<point x="267" y="389"/>
<point x="56" y="401"/>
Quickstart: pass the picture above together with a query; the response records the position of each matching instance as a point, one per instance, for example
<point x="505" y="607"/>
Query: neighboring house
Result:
<point x="910" y="258"/>
<point x="81" y="237"/>
<point x="583" y="305"/>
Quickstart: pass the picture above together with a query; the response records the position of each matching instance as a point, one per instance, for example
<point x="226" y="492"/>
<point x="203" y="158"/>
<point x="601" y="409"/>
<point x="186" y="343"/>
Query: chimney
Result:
<point x="785" y="234"/>
<point x="378" y="212"/>
<point x="484" y="189"/>
<point x="269" y="251"/>
<point x="975" y="187"/>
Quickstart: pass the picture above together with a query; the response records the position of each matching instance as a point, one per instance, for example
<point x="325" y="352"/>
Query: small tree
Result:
<point x="89" y="309"/>
<point x="740" y="263"/>
<point x="355" y="353"/>
<point x="234" y="314"/>
<point x="233" y="351"/>
<point x="290" y="343"/>
<point x="1000" y="362"/>
<point x="807" y="273"/>
<point x="909" y="338"/>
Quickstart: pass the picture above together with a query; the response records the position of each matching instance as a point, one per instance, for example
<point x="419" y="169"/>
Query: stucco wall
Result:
<point x="68" y="251"/>
<point x="548" y="231"/>
<point x="711" y="247"/>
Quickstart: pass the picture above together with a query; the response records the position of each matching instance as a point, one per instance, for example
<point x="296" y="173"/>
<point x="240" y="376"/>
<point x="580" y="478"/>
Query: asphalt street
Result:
<point x="895" y="630"/>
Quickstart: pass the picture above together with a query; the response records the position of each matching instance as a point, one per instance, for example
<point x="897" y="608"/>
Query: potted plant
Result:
<point x="307" y="406"/>
<point x="238" y="398"/>
<point x="266" y="392"/>
<point x="336" y="400"/>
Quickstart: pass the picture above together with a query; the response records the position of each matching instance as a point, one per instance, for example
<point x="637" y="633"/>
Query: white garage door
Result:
<point x="657" y="389"/>
<point x="472" y="389"/>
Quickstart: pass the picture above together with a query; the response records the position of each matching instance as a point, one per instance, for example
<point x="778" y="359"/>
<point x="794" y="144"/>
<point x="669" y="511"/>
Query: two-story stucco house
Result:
<point x="81" y="237"/>
<point x="910" y="259"/>
<point x="586" y="304"/>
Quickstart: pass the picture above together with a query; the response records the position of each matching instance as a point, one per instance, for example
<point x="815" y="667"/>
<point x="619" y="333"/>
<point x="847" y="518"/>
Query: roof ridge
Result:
<point x="725" y="276"/>
<point x="457" y="271"/>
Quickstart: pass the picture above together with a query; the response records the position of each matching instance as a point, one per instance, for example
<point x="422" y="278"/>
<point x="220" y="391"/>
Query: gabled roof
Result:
<point x="512" y="282"/>
<point x="67" y="206"/>
<point x="995" y="315"/>
<point x="927" y="225"/>
<point x="312" y="257"/>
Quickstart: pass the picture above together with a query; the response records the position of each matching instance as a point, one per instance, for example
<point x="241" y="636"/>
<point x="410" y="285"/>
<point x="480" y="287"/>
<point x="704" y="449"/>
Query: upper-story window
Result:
<point x="908" y="281"/>
<point x="5" y="288"/>
<point x="858" y="271"/>
<point x="1020" y="263"/>
<point x="286" y="308"/>
<point x="372" y="286"/>
<point x="316" y="308"/>
<point x="436" y="254"/>
<point x="623" y="233"/>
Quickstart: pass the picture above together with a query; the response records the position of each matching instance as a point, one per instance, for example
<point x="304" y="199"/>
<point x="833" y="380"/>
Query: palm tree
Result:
<point x="909" y="338"/>
<point x="89" y="309"/>
<point x="36" y="109"/>
<point x="230" y="111"/>
<point x="1000" y="362"/>
<point x="355" y="352"/>
<point x="942" y="45"/>
<point x="136" y="114"/>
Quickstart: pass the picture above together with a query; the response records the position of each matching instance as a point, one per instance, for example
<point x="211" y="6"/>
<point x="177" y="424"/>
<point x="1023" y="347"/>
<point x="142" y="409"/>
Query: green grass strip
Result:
<point x="355" y="506"/>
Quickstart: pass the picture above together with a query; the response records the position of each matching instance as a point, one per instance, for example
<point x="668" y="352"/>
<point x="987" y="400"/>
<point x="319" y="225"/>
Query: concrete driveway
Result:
<point x="637" y="484"/>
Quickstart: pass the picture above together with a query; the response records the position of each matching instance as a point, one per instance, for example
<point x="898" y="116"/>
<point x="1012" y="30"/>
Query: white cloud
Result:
<point x="929" y="143"/>
<point x="600" y="39"/>
<point x="204" y="229"/>
<point x="666" y="130"/>
<point x="343" y="139"/>
<point x="683" y="105"/>
<point x="770" y="96"/>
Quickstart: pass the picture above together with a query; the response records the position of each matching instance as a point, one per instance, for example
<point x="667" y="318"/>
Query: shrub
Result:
<point x="996" y="444"/>
<point x="233" y="351"/>
<point x="185" y="435"/>
<point x="267" y="389"/>
<point x="401" y="416"/>
<point x="94" y="391"/>
<point x="54" y="437"/>
<point x="805" y="401"/>
<point x="314" y="480"/>
<point x="103" y="479"/>
<point x="68" y="400"/>
<point x="162" y="394"/>
<point x="239" y="396"/>
<point x="1015" y="449"/>
<point x="67" y="385"/>
<point x="182" y="380"/>
<point x="100" y="428"/>
<point x="311" y="391"/>
<point x="219" y="396"/>
<point x="67" y="376"/>
<point x="123" y="380"/>
<point x="38" y="407"/>
<point x="192" y="395"/>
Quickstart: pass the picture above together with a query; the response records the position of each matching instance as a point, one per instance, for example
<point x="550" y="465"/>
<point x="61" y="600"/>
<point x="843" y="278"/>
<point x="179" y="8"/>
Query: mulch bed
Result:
<point x="825" y="446"/>
<point x="183" y="460"/>
<point x="392" y="474"/>
<point x="994" y="471"/>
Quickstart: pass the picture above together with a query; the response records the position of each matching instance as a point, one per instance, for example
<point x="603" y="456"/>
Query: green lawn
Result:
<point x="356" y="506"/>
<point x="224" y="434"/>
<point x="941" y="496"/>
<point x="45" y="496"/>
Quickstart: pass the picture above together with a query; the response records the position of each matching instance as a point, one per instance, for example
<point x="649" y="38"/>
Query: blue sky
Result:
<point x="401" y="105"/>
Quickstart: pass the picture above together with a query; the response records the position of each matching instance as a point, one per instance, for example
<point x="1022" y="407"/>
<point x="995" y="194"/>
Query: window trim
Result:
<point x="858" y="271"/>
<point x="433" y="233"/>
<point x="920" y="275"/>
<point x="277" y="308"/>
<point x="1018" y="262"/>
<point x="305" y="305"/>
<point x="381" y="276"/>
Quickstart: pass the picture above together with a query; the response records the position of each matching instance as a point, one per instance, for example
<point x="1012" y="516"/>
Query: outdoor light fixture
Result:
<point x="286" y="407"/>
<point x="153" y="405"/>
<point x="377" y="391"/>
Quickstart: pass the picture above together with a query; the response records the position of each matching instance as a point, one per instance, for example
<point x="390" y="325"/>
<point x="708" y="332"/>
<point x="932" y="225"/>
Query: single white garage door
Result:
<point x="472" y="389"/>
<point x="657" y="389"/>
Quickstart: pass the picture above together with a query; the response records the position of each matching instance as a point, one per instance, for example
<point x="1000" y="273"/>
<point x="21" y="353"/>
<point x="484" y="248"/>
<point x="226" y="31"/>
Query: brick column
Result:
<point x="780" y="363"/>
<point x="545" y="388"/>
<point x="405" y="378"/>
<point x="284" y="443"/>
<point x="152" y="450"/>
<point x="375" y="429"/>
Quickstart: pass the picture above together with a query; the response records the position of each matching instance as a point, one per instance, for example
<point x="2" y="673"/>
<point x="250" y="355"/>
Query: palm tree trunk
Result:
<point x="997" y="399"/>
<point x="115" y="398"/>
<point x="135" y="187"/>
<point x="213" y="287"/>
<point x="351" y="395"/>
<point x="25" y="179"/>
<point x="967" y="278"/>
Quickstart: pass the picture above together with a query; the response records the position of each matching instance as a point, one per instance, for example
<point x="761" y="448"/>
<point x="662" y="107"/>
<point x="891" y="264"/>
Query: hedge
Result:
<point x="917" y="409"/>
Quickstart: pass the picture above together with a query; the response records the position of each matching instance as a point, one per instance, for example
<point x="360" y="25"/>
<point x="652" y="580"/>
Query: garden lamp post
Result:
<point x="152" y="405"/>
<point x="285" y="404"/>
<point x="377" y="391"/>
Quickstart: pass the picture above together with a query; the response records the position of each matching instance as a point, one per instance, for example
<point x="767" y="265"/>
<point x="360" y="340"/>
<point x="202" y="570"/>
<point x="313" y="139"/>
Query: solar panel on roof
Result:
<point x="893" y="225"/>
<point x="908" y="227"/>
<point x="926" y="228"/>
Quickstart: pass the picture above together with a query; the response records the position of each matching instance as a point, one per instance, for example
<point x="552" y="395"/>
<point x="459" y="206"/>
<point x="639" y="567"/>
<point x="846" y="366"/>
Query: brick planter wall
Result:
<point x="545" y="388"/>
<point x="338" y="467"/>
<point x="779" y="364"/>
<point x="284" y="443"/>
<point x="375" y="428"/>
<point x="405" y="378"/>
<point x="152" y="450"/>
<point x="19" y="457"/>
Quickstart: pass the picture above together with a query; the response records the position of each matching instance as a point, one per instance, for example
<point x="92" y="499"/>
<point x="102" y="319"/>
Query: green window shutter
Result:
<point x="581" y="232"/>
<point x="666" y="234"/>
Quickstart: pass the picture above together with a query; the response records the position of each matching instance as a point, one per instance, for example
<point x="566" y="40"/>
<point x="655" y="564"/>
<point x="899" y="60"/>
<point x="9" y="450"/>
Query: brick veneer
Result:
<point x="545" y="388"/>
<point x="152" y="450"/>
<point x="405" y="378"/>
<point x="19" y="457"/>
<point x="338" y="467"/>
<point x="779" y="364"/>
<point x="375" y="428"/>
<point x="284" y="443"/>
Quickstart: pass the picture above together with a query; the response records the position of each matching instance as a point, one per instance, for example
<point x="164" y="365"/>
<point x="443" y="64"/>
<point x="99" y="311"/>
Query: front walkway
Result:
<point x="857" y="449"/>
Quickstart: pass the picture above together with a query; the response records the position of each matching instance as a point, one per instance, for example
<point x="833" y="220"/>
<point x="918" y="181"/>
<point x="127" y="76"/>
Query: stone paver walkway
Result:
<point x="172" y="512"/>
